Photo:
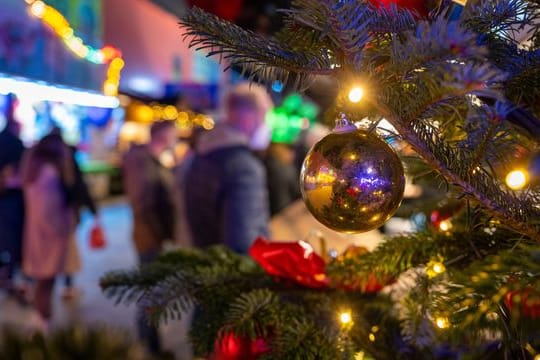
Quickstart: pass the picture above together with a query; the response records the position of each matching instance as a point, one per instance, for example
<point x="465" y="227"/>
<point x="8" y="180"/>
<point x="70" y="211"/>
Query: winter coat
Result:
<point x="49" y="246"/>
<point x="226" y="196"/>
<point x="149" y="188"/>
<point x="182" y="233"/>
<point x="11" y="225"/>
<point x="11" y="198"/>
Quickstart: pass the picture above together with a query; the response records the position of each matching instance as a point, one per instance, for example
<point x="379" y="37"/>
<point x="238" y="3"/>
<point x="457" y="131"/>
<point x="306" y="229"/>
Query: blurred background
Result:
<point x="101" y="72"/>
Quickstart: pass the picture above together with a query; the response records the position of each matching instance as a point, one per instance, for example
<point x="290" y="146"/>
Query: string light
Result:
<point x="517" y="179"/>
<point x="442" y="322"/>
<point x="345" y="317"/>
<point x="106" y="55"/>
<point x="435" y="268"/>
<point x="371" y="337"/>
<point x="356" y="94"/>
<point x="445" y="225"/>
<point x="39" y="91"/>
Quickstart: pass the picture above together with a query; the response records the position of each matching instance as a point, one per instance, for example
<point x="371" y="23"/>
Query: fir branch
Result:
<point x="243" y="48"/>
<point x="252" y="313"/>
<point x="400" y="253"/>
<point x="349" y="23"/>
<point x="474" y="296"/>
<point x="502" y="18"/>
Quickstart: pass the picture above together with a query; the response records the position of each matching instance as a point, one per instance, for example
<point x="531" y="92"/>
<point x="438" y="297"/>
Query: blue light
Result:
<point x="277" y="86"/>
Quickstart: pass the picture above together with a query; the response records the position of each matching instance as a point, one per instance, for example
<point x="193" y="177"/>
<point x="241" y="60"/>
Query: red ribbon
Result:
<point x="298" y="262"/>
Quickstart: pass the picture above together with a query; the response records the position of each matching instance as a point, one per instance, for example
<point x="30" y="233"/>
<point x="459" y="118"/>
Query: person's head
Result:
<point x="163" y="136"/>
<point x="246" y="108"/>
<point x="12" y="125"/>
<point x="50" y="150"/>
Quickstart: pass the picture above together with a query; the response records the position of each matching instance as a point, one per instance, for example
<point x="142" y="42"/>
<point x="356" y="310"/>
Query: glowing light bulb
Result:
<point x="442" y="322"/>
<point x="434" y="268"/>
<point x="371" y="337"/>
<point x="345" y="317"/>
<point x="356" y="94"/>
<point x="117" y="63"/>
<point x="445" y="225"/>
<point x="517" y="179"/>
<point x="537" y="357"/>
<point x="438" y="268"/>
<point x="37" y="9"/>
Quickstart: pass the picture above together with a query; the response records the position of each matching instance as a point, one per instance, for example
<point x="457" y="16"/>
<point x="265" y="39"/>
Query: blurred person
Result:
<point x="48" y="177"/>
<point x="149" y="188"/>
<point x="82" y="198"/>
<point x="282" y="177"/>
<point x="11" y="199"/>
<point x="182" y="233"/>
<point x="226" y="197"/>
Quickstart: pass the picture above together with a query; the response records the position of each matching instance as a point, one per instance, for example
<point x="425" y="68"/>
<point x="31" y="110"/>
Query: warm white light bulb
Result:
<point x="356" y="94"/>
<point x="442" y="322"/>
<point x="438" y="268"/>
<point x="517" y="179"/>
<point x="345" y="317"/>
<point x="445" y="225"/>
<point x="38" y="9"/>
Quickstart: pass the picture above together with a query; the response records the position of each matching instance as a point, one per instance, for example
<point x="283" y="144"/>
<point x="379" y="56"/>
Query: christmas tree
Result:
<point x="460" y="84"/>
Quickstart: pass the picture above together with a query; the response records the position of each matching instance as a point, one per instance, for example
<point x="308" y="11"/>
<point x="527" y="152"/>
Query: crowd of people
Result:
<point x="41" y="193"/>
<point x="224" y="191"/>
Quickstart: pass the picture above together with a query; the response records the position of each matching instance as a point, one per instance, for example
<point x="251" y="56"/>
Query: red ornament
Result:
<point x="296" y="261"/>
<point x="418" y="6"/>
<point x="97" y="237"/>
<point x="233" y="347"/>
<point x="529" y="300"/>
<point x="437" y="217"/>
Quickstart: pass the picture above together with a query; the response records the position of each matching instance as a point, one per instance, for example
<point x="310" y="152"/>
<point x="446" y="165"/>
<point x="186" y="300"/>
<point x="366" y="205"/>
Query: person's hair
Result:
<point x="49" y="150"/>
<point x="159" y="127"/>
<point x="248" y="95"/>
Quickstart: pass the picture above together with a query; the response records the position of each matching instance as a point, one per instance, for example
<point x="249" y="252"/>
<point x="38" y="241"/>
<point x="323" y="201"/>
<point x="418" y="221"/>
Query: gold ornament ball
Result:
<point x="352" y="181"/>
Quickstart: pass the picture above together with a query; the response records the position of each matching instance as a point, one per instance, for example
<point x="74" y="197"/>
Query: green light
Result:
<point x="292" y="103"/>
<point x="289" y="119"/>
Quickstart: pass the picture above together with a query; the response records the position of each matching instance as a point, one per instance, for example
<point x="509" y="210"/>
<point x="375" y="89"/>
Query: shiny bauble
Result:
<point x="352" y="181"/>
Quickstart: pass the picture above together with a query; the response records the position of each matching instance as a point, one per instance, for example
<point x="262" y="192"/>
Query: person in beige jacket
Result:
<point x="49" y="247"/>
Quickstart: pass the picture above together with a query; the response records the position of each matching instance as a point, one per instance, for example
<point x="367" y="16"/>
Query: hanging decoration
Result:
<point x="233" y="347"/>
<point x="61" y="27"/>
<point x="351" y="180"/>
<point x="525" y="302"/>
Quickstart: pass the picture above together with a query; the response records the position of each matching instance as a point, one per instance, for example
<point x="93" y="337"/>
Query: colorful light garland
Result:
<point x="106" y="55"/>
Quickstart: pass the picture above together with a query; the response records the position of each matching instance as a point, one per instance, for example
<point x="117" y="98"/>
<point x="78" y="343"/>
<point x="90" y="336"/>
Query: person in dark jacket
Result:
<point x="149" y="188"/>
<point x="282" y="177"/>
<point x="11" y="199"/>
<point x="225" y="189"/>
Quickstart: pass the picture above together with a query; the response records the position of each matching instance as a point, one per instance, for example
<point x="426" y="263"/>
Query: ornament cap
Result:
<point x="343" y="124"/>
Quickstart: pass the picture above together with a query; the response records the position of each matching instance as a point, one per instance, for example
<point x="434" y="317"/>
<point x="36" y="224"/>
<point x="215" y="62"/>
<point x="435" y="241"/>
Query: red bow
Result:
<point x="296" y="261"/>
